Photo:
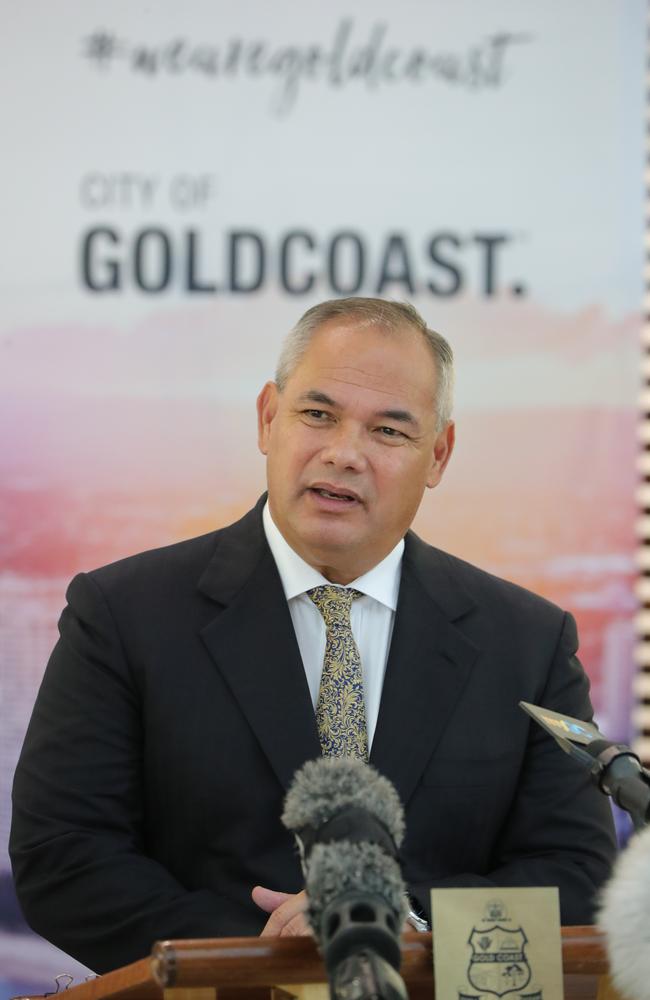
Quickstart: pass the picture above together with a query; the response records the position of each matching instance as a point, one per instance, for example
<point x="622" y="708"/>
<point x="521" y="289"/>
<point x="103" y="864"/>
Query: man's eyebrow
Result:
<point x="315" y="396"/>
<point x="400" y="416"/>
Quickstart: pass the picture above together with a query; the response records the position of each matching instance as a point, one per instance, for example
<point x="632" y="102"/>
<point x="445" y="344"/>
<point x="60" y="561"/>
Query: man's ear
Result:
<point x="442" y="449"/>
<point x="267" y="405"/>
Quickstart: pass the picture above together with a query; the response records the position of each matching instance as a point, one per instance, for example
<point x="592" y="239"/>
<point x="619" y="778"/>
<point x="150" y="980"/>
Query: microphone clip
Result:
<point x="615" y="769"/>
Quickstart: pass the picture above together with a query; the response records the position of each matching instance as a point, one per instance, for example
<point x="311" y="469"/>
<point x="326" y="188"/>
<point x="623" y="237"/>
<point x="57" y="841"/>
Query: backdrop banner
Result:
<point x="181" y="181"/>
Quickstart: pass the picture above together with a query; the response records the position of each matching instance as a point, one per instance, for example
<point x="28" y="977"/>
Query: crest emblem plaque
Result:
<point x="498" y="964"/>
<point x="497" y="943"/>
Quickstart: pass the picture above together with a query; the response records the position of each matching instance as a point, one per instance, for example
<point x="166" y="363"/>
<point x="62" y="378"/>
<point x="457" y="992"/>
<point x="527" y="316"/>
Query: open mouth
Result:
<point x="337" y="495"/>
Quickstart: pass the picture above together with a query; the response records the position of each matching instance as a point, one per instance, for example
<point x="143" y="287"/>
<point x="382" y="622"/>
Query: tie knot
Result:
<point x="334" y="603"/>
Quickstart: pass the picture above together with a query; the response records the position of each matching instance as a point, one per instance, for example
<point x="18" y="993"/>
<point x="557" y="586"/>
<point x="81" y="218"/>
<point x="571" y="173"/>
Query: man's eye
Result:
<point x="316" y="414"/>
<point x="391" y="432"/>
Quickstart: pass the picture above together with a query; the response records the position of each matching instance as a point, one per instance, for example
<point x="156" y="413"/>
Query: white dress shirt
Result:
<point x="371" y="617"/>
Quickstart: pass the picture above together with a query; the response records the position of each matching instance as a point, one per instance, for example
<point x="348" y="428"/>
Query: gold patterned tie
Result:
<point x="340" y="709"/>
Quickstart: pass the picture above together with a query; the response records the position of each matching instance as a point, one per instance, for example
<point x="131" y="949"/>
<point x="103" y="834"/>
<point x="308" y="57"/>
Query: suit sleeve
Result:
<point x="79" y="839"/>
<point x="559" y="831"/>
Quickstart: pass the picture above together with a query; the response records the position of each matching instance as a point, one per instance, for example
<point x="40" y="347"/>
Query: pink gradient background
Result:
<point x="113" y="441"/>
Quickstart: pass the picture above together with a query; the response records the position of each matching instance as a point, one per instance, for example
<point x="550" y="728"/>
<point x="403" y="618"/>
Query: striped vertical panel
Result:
<point x="641" y="714"/>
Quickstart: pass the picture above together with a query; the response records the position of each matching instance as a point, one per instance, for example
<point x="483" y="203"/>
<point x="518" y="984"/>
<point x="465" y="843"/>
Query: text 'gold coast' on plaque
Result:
<point x="492" y="943"/>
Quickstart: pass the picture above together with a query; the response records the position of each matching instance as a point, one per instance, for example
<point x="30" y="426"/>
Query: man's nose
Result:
<point x="345" y="448"/>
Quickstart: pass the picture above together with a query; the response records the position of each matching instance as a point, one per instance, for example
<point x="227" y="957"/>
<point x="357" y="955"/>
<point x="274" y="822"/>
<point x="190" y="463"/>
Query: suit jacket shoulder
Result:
<point x="462" y="590"/>
<point x="186" y="576"/>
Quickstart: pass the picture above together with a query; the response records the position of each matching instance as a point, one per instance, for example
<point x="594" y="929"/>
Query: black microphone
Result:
<point x="348" y="823"/>
<point x="615" y="769"/>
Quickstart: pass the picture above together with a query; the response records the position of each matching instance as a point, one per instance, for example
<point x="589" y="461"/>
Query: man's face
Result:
<point x="351" y="444"/>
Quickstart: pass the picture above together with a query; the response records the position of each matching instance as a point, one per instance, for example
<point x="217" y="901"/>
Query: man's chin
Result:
<point x="336" y="538"/>
<point x="318" y="538"/>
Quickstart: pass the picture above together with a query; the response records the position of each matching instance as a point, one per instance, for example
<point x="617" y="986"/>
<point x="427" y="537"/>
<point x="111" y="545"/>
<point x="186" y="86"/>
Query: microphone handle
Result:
<point x="365" y="975"/>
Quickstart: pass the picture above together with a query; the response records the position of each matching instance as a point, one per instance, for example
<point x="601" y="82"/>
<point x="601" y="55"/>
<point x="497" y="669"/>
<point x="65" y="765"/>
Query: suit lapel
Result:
<point x="253" y="645"/>
<point x="429" y="664"/>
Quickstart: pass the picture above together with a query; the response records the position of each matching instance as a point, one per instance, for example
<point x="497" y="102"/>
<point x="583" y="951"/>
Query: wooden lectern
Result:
<point x="282" y="968"/>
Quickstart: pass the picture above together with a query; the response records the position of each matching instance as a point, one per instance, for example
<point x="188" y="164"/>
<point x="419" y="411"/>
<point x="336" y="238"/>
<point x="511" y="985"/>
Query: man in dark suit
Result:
<point x="184" y="690"/>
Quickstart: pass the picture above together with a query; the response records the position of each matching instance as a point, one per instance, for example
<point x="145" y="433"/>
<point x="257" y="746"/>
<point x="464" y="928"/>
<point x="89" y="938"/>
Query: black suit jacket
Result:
<point x="174" y="712"/>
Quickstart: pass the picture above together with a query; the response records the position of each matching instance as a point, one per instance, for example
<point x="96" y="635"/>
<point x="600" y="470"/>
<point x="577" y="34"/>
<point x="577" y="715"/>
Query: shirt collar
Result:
<point x="381" y="582"/>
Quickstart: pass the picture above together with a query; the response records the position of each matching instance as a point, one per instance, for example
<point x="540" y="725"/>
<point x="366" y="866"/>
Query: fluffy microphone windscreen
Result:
<point x="323" y="787"/>
<point x="341" y="868"/>
<point x="625" y="917"/>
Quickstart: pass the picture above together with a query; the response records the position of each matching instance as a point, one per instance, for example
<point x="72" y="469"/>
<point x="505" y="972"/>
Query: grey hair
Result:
<point x="391" y="316"/>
